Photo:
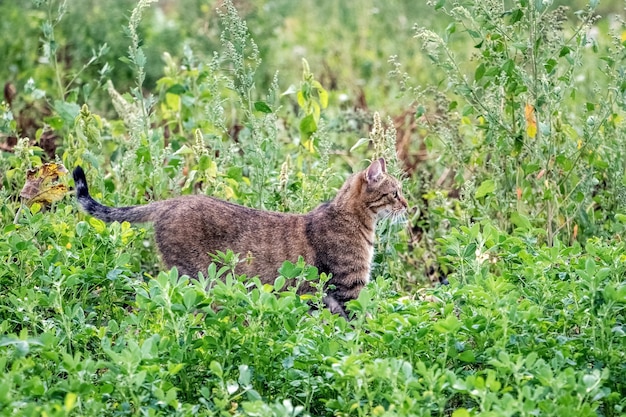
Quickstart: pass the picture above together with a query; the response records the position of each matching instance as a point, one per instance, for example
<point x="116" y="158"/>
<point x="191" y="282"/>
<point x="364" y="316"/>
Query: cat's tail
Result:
<point x="133" y="214"/>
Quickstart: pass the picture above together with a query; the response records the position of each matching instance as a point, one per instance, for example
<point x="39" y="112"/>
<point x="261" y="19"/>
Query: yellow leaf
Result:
<point x="308" y="145"/>
<point x="301" y="100"/>
<point x="51" y="194"/>
<point x="379" y="410"/>
<point x="35" y="208"/>
<point x="624" y="36"/>
<point x="531" y="121"/>
<point x="173" y="101"/>
<point x="228" y="193"/>
<point x="70" y="401"/>
<point x="97" y="224"/>
<point x="40" y="184"/>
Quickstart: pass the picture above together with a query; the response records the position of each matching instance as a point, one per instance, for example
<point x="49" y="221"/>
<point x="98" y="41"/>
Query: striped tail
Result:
<point x="133" y="214"/>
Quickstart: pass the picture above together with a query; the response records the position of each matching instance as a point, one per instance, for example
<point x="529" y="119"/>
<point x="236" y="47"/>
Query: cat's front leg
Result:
<point x="335" y="306"/>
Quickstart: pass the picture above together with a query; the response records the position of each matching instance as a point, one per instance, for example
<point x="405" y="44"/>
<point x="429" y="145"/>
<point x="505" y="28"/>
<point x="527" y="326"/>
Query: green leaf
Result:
<point x="516" y="15"/>
<point x="279" y="283"/>
<point x="448" y="325"/>
<point x="245" y="375"/>
<point x="308" y="125"/>
<point x="216" y="368"/>
<point x="480" y="72"/>
<point x="460" y="412"/>
<point x="470" y="252"/>
<point x="521" y="221"/>
<point x="289" y="270"/>
<point x="189" y="299"/>
<point x="184" y="150"/>
<point x="67" y="111"/>
<point x="487" y="187"/>
<point x="359" y="143"/>
<point x="474" y="34"/>
<point x="550" y="65"/>
<point x="468" y="356"/>
<point x="591" y="380"/>
<point x="262" y="107"/>
<point x="508" y="67"/>
<point x="177" y="89"/>
<point x="451" y="28"/>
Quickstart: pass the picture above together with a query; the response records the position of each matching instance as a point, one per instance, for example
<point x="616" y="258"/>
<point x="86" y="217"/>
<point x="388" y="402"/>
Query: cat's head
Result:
<point x="382" y="192"/>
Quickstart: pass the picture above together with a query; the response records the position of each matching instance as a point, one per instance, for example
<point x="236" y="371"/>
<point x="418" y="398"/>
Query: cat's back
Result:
<point x="207" y="207"/>
<point x="189" y="228"/>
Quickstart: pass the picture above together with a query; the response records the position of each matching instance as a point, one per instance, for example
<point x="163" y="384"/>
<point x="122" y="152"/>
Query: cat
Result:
<point x="337" y="237"/>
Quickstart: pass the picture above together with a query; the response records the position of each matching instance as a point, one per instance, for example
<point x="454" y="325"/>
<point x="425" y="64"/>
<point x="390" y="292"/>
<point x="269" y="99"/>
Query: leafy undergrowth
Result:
<point x="521" y="330"/>
<point x="513" y="161"/>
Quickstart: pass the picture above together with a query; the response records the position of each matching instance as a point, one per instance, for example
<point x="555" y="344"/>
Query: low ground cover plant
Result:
<point x="514" y="167"/>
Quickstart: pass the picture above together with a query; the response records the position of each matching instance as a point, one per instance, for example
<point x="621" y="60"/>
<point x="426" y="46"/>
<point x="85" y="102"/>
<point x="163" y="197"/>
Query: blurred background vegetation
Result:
<point x="347" y="44"/>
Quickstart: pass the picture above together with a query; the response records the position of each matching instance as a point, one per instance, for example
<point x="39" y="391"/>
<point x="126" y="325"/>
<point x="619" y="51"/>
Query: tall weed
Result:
<point x="528" y="128"/>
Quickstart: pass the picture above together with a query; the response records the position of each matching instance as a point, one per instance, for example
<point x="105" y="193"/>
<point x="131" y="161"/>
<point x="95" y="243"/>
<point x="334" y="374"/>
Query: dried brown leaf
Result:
<point x="41" y="186"/>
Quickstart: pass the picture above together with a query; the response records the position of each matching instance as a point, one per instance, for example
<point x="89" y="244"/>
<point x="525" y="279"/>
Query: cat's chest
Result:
<point x="370" y="253"/>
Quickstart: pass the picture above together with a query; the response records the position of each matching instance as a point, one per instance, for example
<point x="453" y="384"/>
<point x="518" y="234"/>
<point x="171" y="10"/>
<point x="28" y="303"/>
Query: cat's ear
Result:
<point x="375" y="171"/>
<point x="383" y="165"/>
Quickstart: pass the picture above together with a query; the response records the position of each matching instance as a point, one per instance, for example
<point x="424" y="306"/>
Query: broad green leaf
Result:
<point x="262" y="107"/>
<point x="487" y="187"/>
<point x="279" y="283"/>
<point x="176" y="89"/>
<point x="520" y="221"/>
<point x="508" y="67"/>
<point x="308" y="125"/>
<point x="216" y="368"/>
<point x="245" y="375"/>
<point x="480" y="72"/>
<point x="516" y="16"/>
<point x="448" y="325"/>
<point x="467" y="356"/>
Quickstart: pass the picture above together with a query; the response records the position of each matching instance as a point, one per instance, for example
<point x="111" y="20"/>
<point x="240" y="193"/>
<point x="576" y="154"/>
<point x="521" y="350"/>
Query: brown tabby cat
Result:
<point x="336" y="237"/>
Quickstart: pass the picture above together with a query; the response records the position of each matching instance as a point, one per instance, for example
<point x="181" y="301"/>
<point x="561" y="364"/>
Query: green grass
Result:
<point x="532" y="322"/>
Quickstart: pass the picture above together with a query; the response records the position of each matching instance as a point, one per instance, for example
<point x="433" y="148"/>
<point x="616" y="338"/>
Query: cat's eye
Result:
<point x="395" y="194"/>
